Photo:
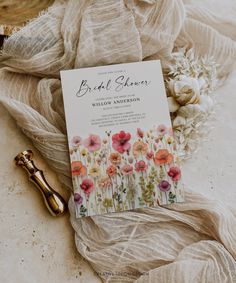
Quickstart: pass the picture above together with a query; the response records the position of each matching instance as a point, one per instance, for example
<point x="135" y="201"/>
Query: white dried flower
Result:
<point x="189" y="111"/>
<point x="179" y="121"/>
<point x="173" y="104"/>
<point x="189" y="82"/>
<point x="185" y="90"/>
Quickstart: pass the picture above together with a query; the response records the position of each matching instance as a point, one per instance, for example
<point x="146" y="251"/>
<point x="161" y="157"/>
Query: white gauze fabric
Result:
<point x="190" y="242"/>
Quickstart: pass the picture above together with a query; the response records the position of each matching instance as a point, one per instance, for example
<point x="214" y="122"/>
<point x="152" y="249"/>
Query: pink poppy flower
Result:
<point x="149" y="155"/>
<point x="104" y="183"/>
<point x="164" y="186"/>
<point x="175" y="173"/>
<point x="127" y="169"/>
<point x="140" y="133"/>
<point x="87" y="186"/>
<point x="92" y="143"/>
<point x="78" y="198"/>
<point x="111" y="170"/>
<point x="120" y="141"/>
<point x="140" y="166"/>
<point x="161" y="129"/>
<point x="75" y="141"/>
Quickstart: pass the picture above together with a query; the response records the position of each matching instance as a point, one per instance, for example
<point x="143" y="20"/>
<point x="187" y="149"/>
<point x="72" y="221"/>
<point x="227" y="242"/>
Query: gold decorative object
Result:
<point x="53" y="200"/>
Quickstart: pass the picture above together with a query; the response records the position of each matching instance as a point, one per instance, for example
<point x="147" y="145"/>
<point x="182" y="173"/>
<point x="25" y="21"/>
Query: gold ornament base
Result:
<point x="53" y="200"/>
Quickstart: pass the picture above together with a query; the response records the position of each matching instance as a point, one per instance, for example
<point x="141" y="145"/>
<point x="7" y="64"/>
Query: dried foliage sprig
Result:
<point x="190" y="81"/>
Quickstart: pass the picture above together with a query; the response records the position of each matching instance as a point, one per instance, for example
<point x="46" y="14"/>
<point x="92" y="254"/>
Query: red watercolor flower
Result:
<point x="78" y="198"/>
<point x="127" y="169"/>
<point x="120" y="141"/>
<point x="78" y="169"/>
<point x="164" y="186"/>
<point x="175" y="173"/>
<point x="140" y="166"/>
<point x="149" y="155"/>
<point x="87" y="186"/>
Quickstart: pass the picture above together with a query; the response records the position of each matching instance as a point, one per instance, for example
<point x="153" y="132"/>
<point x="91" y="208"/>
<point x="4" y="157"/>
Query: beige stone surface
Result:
<point x="212" y="169"/>
<point x="34" y="246"/>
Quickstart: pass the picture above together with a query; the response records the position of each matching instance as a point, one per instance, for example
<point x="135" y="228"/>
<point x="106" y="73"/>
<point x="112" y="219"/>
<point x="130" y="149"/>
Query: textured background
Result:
<point x="34" y="247"/>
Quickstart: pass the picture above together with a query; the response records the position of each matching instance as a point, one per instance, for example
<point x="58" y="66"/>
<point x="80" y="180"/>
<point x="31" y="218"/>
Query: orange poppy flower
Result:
<point x="115" y="158"/>
<point x="111" y="170"/>
<point x="140" y="148"/>
<point x="78" y="169"/>
<point x="163" y="156"/>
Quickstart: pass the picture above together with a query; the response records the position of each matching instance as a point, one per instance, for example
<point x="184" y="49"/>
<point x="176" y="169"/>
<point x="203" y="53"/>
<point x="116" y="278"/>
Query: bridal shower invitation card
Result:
<point x="122" y="149"/>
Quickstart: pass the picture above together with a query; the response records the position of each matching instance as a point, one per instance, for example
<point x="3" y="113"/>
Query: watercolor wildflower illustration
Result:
<point x="123" y="171"/>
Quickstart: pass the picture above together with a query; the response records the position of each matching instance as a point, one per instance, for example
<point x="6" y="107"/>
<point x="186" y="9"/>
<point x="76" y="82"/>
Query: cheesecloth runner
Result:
<point x="190" y="242"/>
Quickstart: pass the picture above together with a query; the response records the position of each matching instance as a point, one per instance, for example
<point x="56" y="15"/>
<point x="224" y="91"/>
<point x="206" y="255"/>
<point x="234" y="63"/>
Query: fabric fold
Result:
<point x="194" y="241"/>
